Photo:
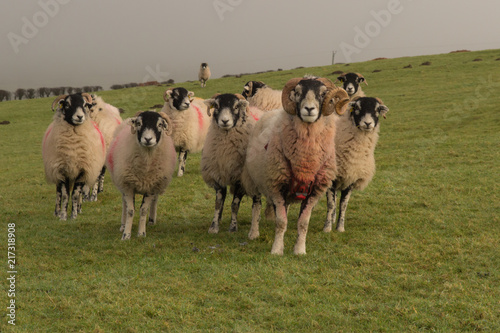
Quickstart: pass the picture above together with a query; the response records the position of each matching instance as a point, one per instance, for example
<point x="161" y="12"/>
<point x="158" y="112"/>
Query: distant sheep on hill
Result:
<point x="204" y="74"/>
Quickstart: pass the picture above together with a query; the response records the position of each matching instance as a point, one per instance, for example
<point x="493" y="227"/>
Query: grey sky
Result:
<point x="98" y="42"/>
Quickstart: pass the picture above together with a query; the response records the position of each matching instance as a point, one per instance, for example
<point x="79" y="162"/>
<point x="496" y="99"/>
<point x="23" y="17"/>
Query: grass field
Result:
<point x="420" y="252"/>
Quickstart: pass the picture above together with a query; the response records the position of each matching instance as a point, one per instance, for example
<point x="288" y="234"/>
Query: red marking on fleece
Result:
<point x="200" y="115"/>
<point x="254" y="116"/>
<point x="47" y="134"/>
<point x="103" y="144"/>
<point x="111" y="162"/>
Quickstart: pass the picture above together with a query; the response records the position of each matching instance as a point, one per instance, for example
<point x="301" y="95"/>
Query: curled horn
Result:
<point x="56" y="101"/>
<point x="335" y="100"/>
<point x="88" y="98"/>
<point x="289" y="105"/>
<point x="240" y="96"/>
<point x="169" y="122"/>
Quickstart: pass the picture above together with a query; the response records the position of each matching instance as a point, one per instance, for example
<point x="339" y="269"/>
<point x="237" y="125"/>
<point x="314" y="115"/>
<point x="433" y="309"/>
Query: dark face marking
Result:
<point x="74" y="109"/>
<point x="180" y="99"/>
<point x="308" y="96"/>
<point x="249" y="92"/>
<point x="365" y="113"/>
<point x="228" y="110"/>
<point x="350" y="82"/>
<point x="148" y="126"/>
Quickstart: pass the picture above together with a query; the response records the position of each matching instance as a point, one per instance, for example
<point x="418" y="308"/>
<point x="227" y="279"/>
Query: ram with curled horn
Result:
<point x="291" y="155"/>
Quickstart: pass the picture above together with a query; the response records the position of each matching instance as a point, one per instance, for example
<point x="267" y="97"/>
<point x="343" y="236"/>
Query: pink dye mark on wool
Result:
<point x="200" y="115"/>
<point x="103" y="143"/>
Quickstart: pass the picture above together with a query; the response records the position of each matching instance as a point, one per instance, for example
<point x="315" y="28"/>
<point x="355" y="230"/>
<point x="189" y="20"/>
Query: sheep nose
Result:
<point x="368" y="123"/>
<point x="309" y="110"/>
<point x="225" y="121"/>
<point x="79" y="117"/>
<point x="148" y="140"/>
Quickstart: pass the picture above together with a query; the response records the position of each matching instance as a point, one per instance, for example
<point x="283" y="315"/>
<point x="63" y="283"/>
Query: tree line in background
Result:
<point x="46" y="92"/>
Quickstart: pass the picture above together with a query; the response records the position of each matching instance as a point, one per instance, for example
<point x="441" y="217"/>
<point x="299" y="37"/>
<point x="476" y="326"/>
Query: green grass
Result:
<point x="420" y="251"/>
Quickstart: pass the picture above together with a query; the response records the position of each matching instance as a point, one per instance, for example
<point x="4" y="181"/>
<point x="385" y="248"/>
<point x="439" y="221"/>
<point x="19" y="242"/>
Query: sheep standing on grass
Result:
<point x="73" y="151"/>
<point x="204" y="74"/>
<point x="351" y="82"/>
<point x="224" y="153"/>
<point x="355" y="141"/>
<point x="107" y="117"/>
<point x="190" y="122"/>
<point x="291" y="155"/>
<point x="259" y="95"/>
<point x="141" y="160"/>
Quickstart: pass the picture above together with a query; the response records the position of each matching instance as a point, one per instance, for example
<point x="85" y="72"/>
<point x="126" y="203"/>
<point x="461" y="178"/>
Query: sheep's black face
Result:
<point x="228" y="110"/>
<point x="148" y="127"/>
<point x="204" y="65"/>
<point x="179" y="98"/>
<point x="250" y="90"/>
<point x="351" y="82"/>
<point x="74" y="109"/>
<point x="365" y="113"/>
<point x="308" y="96"/>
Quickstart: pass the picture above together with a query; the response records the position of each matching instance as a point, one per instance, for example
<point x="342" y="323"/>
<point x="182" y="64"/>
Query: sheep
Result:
<point x="224" y="153"/>
<point x="204" y="74"/>
<point x="73" y="151"/>
<point x="107" y="117"/>
<point x="190" y="122"/>
<point x="141" y="160"/>
<point x="260" y="95"/>
<point x="355" y="141"/>
<point x="352" y="84"/>
<point x="291" y="155"/>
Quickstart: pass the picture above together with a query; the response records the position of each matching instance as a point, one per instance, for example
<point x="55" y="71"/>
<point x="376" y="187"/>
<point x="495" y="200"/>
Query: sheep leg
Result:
<point x="256" y="207"/>
<point x="95" y="190"/>
<point x="128" y="200"/>
<point x="281" y="224"/>
<point x="269" y="213"/>
<point x="303" y="223"/>
<point x="331" y="203"/>
<point x="220" y="197"/>
<point x="146" y="204"/>
<point x="344" y="200"/>
<point x="61" y="193"/>
<point x="100" y="181"/>
<point x="182" y="162"/>
<point x="76" y="199"/>
<point x="152" y="210"/>
<point x="124" y="214"/>
<point x="235" y="206"/>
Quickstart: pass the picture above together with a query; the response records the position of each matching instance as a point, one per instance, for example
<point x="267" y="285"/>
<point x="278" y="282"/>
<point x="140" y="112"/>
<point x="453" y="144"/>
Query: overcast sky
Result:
<point x="100" y="42"/>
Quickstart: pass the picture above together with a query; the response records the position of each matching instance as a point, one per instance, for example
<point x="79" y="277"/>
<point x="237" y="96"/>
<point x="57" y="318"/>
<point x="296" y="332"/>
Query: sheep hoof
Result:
<point x="277" y="252"/>
<point x="299" y="250"/>
<point x="233" y="228"/>
<point x="141" y="234"/>
<point x="340" y="229"/>
<point x="151" y="222"/>
<point x="126" y="236"/>
<point x="327" y="228"/>
<point x="180" y="173"/>
<point x="214" y="228"/>
<point x="253" y="235"/>
<point x="122" y="228"/>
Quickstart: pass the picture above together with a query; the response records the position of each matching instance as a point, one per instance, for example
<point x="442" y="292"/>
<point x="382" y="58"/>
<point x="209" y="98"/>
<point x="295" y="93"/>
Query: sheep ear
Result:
<point x="210" y="104"/>
<point x="167" y="95"/>
<point x="133" y="123"/>
<point x="242" y="105"/>
<point x="190" y="93"/>
<point x="383" y="110"/>
<point x="341" y="79"/>
<point x="166" y="123"/>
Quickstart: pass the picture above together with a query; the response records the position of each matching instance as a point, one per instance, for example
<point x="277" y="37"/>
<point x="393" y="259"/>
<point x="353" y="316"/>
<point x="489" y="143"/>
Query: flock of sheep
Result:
<point x="291" y="145"/>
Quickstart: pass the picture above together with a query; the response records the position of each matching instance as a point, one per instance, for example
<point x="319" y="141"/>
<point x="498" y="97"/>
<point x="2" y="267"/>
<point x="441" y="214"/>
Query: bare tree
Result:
<point x="19" y="93"/>
<point x="5" y="95"/>
<point x="30" y="93"/>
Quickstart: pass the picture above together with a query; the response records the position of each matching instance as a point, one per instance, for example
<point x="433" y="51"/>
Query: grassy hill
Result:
<point x="420" y="251"/>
